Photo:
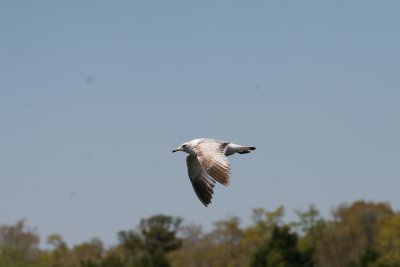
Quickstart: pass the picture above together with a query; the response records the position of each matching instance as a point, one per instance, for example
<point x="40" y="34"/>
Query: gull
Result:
<point x="207" y="163"/>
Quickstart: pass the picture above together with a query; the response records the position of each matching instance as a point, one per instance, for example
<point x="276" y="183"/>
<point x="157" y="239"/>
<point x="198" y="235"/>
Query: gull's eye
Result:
<point x="183" y="146"/>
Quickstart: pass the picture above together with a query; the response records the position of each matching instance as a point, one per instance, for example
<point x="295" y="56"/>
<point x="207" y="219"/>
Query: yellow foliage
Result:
<point x="388" y="240"/>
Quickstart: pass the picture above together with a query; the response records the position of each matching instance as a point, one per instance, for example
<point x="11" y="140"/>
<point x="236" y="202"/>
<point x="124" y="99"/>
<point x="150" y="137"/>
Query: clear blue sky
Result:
<point x="94" y="95"/>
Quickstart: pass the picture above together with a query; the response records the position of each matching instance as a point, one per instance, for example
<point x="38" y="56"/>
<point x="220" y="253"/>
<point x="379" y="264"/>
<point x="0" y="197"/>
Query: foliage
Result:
<point x="351" y="233"/>
<point x="281" y="250"/>
<point x="18" y="245"/>
<point x="362" y="234"/>
<point x="157" y="236"/>
<point x="388" y="241"/>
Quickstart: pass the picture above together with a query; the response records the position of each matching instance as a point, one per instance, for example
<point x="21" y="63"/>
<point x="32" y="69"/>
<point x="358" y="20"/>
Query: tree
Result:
<point x="280" y="251"/>
<point x="267" y="220"/>
<point x="160" y="233"/>
<point x="388" y="241"/>
<point x="227" y="244"/>
<point x="88" y="252"/>
<point x="60" y="255"/>
<point x="194" y="248"/>
<point x="18" y="243"/>
<point x="310" y="226"/>
<point x="157" y="237"/>
<point x="351" y="234"/>
<point x="20" y="237"/>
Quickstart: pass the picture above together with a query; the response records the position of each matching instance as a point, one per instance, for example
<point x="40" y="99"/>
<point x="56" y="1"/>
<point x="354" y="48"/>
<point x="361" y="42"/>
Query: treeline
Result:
<point x="361" y="234"/>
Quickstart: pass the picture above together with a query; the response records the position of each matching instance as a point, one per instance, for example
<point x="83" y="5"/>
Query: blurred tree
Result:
<point x="60" y="255"/>
<point x="227" y="244"/>
<point x="226" y="238"/>
<point x="193" y="251"/>
<point x="308" y="220"/>
<point x="280" y="251"/>
<point x="112" y="261"/>
<point x="160" y="232"/>
<point x="57" y="242"/>
<point x="388" y="241"/>
<point x="18" y="244"/>
<point x="366" y="258"/>
<point x="310" y="226"/>
<point x="158" y="236"/>
<point x="351" y="233"/>
<point x="267" y="220"/>
<point x="362" y="234"/>
<point x="220" y="247"/>
<point x="88" y="252"/>
<point x="131" y="241"/>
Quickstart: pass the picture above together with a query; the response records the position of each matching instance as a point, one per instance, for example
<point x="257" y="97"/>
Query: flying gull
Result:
<point x="207" y="163"/>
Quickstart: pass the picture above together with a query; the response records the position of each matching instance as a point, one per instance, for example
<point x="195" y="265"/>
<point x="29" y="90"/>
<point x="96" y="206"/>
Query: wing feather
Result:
<point x="202" y="182"/>
<point x="211" y="155"/>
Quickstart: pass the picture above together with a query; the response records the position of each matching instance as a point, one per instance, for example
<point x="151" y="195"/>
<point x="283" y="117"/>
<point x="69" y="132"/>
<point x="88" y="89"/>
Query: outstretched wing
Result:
<point x="202" y="182"/>
<point x="211" y="155"/>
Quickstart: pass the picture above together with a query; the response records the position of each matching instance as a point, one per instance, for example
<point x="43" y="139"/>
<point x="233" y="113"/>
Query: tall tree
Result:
<point x="228" y="244"/>
<point x="351" y="234"/>
<point x="18" y="243"/>
<point x="310" y="226"/>
<point x="157" y="237"/>
<point x="280" y="251"/>
<point x="388" y="241"/>
<point x="160" y="232"/>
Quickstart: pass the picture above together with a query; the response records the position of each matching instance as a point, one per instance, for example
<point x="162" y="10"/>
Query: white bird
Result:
<point x="207" y="163"/>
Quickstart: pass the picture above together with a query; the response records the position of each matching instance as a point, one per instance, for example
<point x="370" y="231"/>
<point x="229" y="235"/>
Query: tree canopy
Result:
<point x="360" y="234"/>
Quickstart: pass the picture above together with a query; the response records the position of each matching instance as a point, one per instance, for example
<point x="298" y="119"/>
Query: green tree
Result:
<point x="228" y="244"/>
<point x="194" y="249"/>
<point x="60" y="255"/>
<point x="157" y="237"/>
<point x="388" y="241"/>
<point x="351" y="236"/>
<point x="280" y="251"/>
<point x="88" y="252"/>
<point x="310" y="226"/>
<point x="18" y="245"/>
<point x="160" y="232"/>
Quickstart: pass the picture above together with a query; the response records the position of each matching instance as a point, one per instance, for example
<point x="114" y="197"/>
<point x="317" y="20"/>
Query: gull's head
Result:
<point x="185" y="147"/>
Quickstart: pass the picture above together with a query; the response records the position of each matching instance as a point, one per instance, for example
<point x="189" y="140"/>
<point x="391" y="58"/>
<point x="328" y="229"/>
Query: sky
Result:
<point x="94" y="95"/>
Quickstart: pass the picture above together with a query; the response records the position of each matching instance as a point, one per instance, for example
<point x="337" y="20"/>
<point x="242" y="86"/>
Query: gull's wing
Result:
<point x="202" y="182"/>
<point x="211" y="155"/>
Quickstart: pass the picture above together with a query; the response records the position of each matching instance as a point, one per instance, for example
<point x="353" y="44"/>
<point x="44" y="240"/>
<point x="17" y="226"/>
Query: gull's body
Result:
<point x="207" y="163"/>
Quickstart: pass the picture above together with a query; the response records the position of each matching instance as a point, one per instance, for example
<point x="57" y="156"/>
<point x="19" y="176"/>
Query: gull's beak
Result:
<point x="177" y="149"/>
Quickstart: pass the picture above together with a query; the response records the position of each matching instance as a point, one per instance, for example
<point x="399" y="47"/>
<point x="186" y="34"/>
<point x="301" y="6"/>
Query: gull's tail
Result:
<point x="245" y="149"/>
<point x="234" y="148"/>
